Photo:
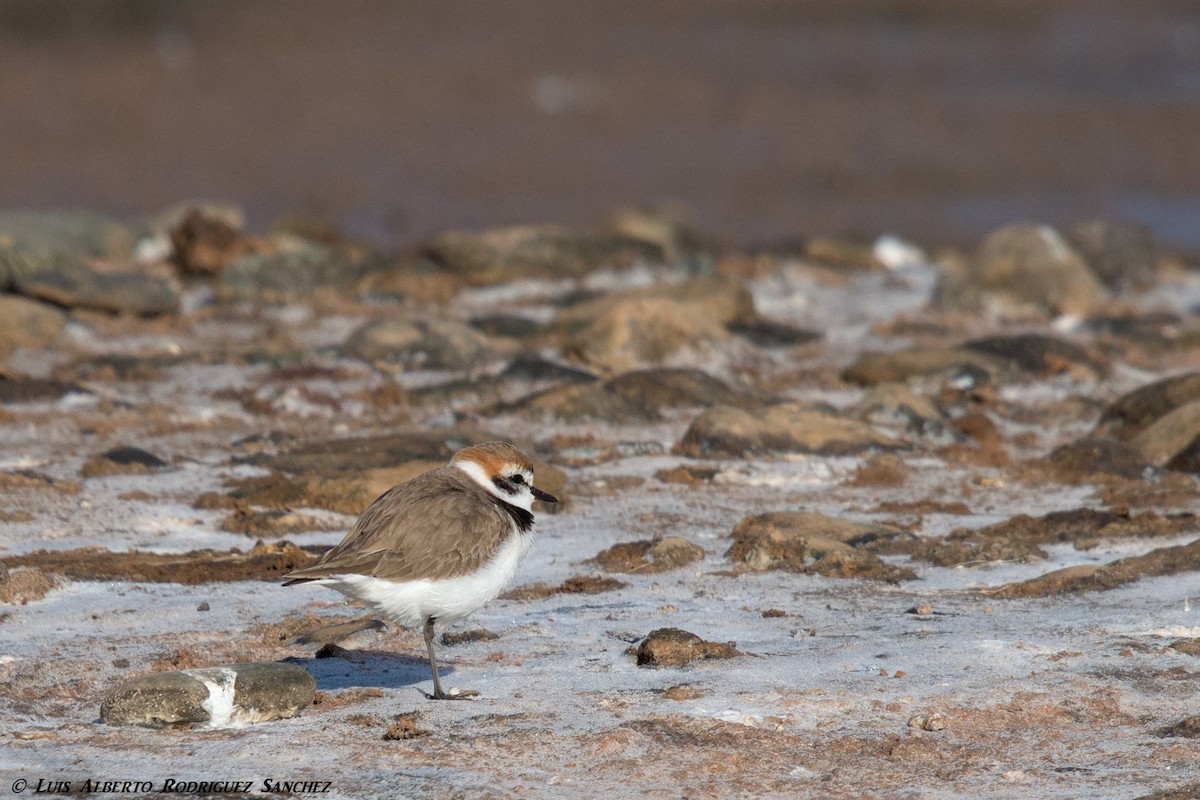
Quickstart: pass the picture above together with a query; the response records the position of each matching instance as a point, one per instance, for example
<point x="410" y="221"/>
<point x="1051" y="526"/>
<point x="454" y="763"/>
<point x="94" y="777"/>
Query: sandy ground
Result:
<point x="1060" y="697"/>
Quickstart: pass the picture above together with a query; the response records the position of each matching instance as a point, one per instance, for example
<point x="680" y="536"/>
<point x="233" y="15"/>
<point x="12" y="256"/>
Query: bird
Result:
<point x="438" y="547"/>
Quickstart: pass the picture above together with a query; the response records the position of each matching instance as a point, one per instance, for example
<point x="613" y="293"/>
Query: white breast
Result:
<point x="449" y="599"/>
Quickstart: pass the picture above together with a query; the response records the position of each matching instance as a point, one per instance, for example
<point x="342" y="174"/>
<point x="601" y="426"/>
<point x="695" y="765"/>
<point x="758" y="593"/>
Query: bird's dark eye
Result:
<point x="518" y="478"/>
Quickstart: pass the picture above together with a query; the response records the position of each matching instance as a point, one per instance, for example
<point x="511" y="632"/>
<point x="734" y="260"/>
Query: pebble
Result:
<point x="927" y="722"/>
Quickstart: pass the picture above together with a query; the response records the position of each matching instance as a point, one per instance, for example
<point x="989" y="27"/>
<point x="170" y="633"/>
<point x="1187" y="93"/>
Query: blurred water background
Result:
<point x="766" y="120"/>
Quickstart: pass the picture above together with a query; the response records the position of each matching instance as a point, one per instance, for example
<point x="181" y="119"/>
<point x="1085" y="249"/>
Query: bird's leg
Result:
<point x="438" y="694"/>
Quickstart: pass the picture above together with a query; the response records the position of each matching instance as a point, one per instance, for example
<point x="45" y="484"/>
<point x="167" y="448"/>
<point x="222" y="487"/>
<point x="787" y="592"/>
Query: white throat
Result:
<point x="522" y="500"/>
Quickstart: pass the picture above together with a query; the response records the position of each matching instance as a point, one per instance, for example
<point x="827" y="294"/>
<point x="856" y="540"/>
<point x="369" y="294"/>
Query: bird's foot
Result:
<point x="453" y="694"/>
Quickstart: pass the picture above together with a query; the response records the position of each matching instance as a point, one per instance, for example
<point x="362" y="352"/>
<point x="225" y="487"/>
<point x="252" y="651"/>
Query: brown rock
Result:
<point x="28" y="323"/>
<point x="264" y="562"/>
<point x="724" y="432"/>
<point x="578" y="584"/>
<point x="1020" y="538"/>
<point x="672" y="647"/>
<point x="1090" y="577"/>
<point x="1170" y="435"/>
<point x="687" y="475"/>
<point x="658" y="555"/>
<point x="720" y="300"/>
<point x="1039" y="355"/>
<point x="23" y="389"/>
<point x="1189" y="647"/>
<point x="883" y="470"/>
<point x="576" y="402"/>
<point x="1087" y="460"/>
<point x="684" y="691"/>
<point x="843" y="253"/>
<point x="21" y="586"/>
<point x="667" y="226"/>
<point x="405" y="727"/>
<point x="1187" y="728"/>
<point x="921" y="362"/>
<point x="814" y="544"/>
<point x="660" y="389"/>
<point x="361" y="453"/>
<point x="1135" y="411"/>
<point x="646" y="332"/>
<point x="206" y="243"/>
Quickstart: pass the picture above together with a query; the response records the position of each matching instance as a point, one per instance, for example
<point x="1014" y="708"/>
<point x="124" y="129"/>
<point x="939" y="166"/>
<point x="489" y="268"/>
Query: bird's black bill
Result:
<point x="545" y="497"/>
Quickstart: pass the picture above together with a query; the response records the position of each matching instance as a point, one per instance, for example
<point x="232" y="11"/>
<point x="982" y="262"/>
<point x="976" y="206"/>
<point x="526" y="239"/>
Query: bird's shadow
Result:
<point x="368" y="668"/>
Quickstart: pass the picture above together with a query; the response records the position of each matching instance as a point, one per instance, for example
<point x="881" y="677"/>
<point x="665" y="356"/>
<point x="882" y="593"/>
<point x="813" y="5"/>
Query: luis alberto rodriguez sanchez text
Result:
<point x="169" y="786"/>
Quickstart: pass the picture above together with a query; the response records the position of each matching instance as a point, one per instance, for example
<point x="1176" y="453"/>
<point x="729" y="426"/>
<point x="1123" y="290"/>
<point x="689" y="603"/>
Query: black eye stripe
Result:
<point x="511" y="484"/>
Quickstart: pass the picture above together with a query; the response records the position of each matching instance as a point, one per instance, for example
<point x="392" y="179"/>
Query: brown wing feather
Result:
<point x="438" y="525"/>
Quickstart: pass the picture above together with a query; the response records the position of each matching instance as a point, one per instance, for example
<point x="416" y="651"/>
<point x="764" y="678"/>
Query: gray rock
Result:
<point x="725" y="432"/>
<point x="86" y="234"/>
<point x="1121" y="253"/>
<point x="419" y="344"/>
<point x="659" y="389"/>
<point x="931" y="363"/>
<point x="535" y="251"/>
<point x="576" y="402"/>
<point x="1039" y="355"/>
<point x="894" y="405"/>
<point x="527" y="367"/>
<point x="361" y="453"/>
<point x="215" y="697"/>
<point x="509" y="326"/>
<point x="1022" y="269"/>
<point x="767" y="333"/>
<point x="297" y="268"/>
<point x="127" y="455"/>
<point x="64" y="278"/>
<point x="642" y="332"/>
